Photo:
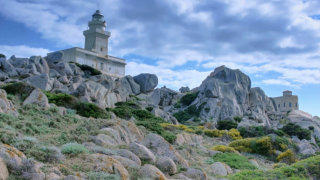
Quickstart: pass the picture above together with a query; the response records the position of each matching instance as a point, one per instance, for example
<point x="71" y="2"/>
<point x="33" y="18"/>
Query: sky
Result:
<point x="275" y="42"/>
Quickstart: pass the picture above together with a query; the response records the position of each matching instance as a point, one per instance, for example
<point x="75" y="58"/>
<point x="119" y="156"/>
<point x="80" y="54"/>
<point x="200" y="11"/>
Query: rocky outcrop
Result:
<point x="225" y="92"/>
<point x="220" y="169"/>
<point x="149" y="171"/>
<point x="6" y="106"/>
<point x="4" y="174"/>
<point x="161" y="148"/>
<point x="142" y="152"/>
<point x="166" y="165"/>
<point x="146" y="81"/>
<point x="37" y="97"/>
<point x="196" y="174"/>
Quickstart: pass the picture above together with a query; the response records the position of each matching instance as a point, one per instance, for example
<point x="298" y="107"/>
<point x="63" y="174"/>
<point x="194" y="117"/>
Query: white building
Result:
<point x="95" y="52"/>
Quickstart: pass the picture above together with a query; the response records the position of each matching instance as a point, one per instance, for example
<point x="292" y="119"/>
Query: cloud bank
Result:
<point x="258" y="37"/>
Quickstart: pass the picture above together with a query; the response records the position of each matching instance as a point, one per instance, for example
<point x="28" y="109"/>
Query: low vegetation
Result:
<point x="296" y="130"/>
<point x="304" y="169"/>
<point x="191" y="112"/>
<point x="266" y="145"/>
<point x="258" y="131"/>
<point x="84" y="109"/>
<point x="73" y="149"/>
<point x="226" y="124"/>
<point x="20" y="89"/>
<point x="187" y="99"/>
<point x="143" y="117"/>
<point x="234" y="160"/>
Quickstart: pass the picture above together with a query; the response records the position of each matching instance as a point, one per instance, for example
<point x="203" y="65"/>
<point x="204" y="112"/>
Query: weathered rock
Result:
<point x="225" y="93"/>
<point x="4" y="174"/>
<point x="195" y="174"/>
<point x="161" y="147"/>
<point x="6" y="106"/>
<point x="40" y="64"/>
<point x="146" y="81"/>
<point x="166" y="165"/>
<point x="37" y="97"/>
<point x="108" y="164"/>
<point x="128" y="154"/>
<point x="42" y="81"/>
<point x="127" y="163"/>
<point x="184" y="89"/>
<point x="190" y="139"/>
<point x="142" y="152"/>
<point x="220" y="169"/>
<point x="149" y="171"/>
<point x="54" y="58"/>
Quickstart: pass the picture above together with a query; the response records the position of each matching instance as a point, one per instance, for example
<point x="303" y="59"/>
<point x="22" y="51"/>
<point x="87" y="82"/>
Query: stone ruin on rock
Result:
<point x="95" y="52"/>
<point x="287" y="102"/>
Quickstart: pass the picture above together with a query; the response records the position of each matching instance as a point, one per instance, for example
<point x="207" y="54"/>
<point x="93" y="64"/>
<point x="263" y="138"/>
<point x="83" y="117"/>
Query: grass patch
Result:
<point x="234" y="160"/>
<point x="21" y="89"/>
<point x="304" y="169"/>
<point x="143" y="117"/>
<point x="73" y="149"/>
<point x="226" y="124"/>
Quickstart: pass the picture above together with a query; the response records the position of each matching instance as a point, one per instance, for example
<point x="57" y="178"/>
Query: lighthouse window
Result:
<point x="289" y="104"/>
<point x="284" y="104"/>
<point x="278" y="105"/>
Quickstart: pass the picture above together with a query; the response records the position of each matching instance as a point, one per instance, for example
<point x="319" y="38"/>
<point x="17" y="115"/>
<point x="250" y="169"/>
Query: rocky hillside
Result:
<point x="63" y="120"/>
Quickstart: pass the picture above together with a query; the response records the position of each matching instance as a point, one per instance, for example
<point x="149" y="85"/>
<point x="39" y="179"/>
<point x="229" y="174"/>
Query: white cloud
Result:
<point x="22" y="51"/>
<point x="278" y="82"/>
<point x="167" y="77"/>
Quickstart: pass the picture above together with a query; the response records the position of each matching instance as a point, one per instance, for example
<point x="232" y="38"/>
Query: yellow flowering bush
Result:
<point x="287" y="157"/>
<point x="261" y="145"/>
<point x="223" y="148"/>
<point x="234" y="134"/>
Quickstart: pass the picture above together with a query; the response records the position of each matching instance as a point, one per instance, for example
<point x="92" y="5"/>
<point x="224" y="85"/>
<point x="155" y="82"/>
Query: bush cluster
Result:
<point x="191" y="112"/>
<point x="21" y="89"/>
<point x="2" y="56"/>
<point x="226" y="124"/>
<point x="304" y="169"/>
<point x="287" y="157"/>
<point x="92" y="71"/>
<point x="296" y="130"/>
<point x="232" y="133"/>
<point x="234" y="160"/>
<point x="84" y="109"/>
<point x="45" y="153"/>
<point x="143" y="117"/>
<point x="73" y="149"/>
<point x="266" y="145"/>
<point x="188" y="98"/>
<point x="223" y="148"/>
<point x="258" y="131"/>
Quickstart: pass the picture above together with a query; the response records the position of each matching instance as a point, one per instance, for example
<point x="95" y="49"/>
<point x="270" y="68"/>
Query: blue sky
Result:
<point x="275" y="42"/>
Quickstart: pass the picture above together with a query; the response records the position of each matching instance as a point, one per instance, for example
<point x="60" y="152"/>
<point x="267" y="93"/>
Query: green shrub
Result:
<point x="226" y="125"/>
<point x="188" y="98"/>
<point x="234" y="160"/>
<point x="304" y="169"/>
<point x="2" y="56"/>
<point x="90" y="110"/>
<point x="25" y="143"/>
<point x="92" y="71"/>
<point x="73" y="149"/>
<point x="190" y="112"/>
<point x="169" y="136"/>
<point x="258" y="131"/>
<point x="62" y="99"/>
<point x="296" y="130"/>
<point x="45" y="154"/>
<point x="237" y="119"/>
<point x="18" y="88"/>
<point x="102" y="175"/>
<point x="149" y="108"/>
